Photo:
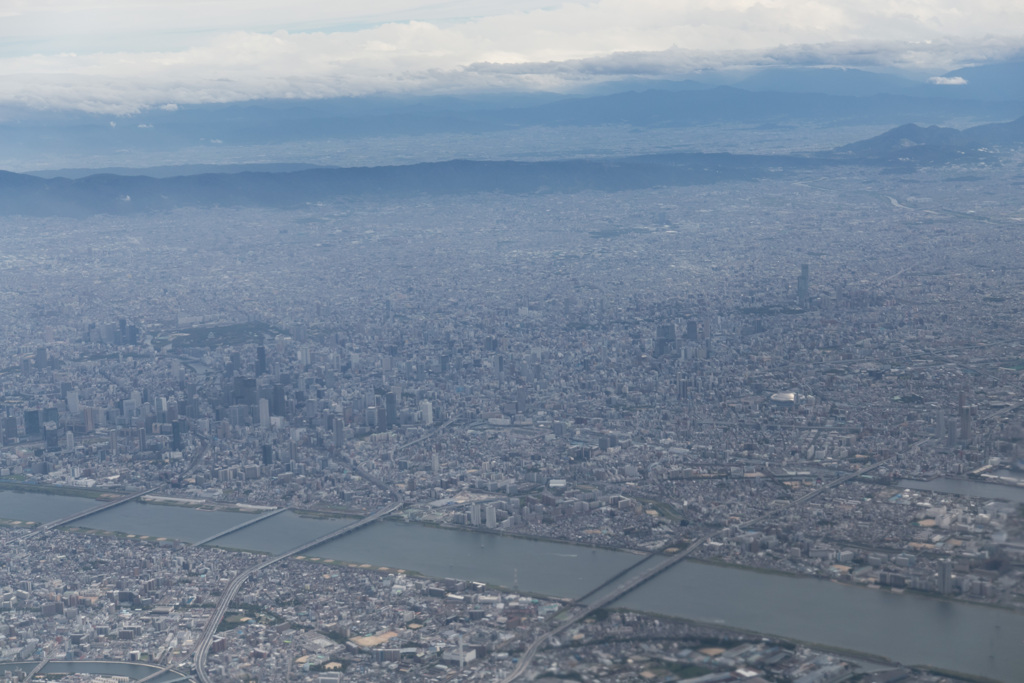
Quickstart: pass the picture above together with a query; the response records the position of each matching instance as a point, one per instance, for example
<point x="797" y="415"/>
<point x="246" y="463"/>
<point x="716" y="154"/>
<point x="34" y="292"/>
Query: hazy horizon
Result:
<point x="120" y="57"/>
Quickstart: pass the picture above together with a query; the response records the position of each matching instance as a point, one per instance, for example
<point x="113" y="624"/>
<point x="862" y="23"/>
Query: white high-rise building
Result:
<point x="427" y="412"/>
<point x="264" y="414"/>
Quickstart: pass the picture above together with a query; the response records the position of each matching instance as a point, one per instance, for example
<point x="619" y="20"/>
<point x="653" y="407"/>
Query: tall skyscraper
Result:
<point x="390" y="409"/>
<point x="178" y="435"/>
<point x="803" y="286"/>
<point x="665" y="340"/>
<point x="10" y="427"/>
<point x="32" y="423"/>
<point x="264" y="414"/>
<point x="72" y="399"/>
<point x="965" y="420"/>
<point x="261" y="361"/>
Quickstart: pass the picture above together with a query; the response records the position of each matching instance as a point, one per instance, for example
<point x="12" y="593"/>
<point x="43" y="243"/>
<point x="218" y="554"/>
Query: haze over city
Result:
<point x="476" y="341"/>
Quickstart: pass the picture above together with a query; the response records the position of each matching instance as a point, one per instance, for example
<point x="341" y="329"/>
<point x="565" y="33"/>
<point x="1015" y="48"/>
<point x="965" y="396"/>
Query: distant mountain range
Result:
<point x="794" y="97"/>
<point x="905" y="146"/>
<point x="173" y="171"/>
<point x="115" y="194"/>
<point x="911" y="144"/>
<point x="270" y="123"/>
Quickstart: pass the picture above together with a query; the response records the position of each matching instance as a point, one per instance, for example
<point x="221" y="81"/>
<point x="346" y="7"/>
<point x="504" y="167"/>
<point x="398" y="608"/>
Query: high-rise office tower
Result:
<point x="803" y="286"/>
<point x="261" y="361"/>
<point x="390" y="409"/>
<point x="178" y="435"/>
<point x="965" y="420"/>
<point x="32" y="423"/>
<point x="665" y="340"/>
<point x="10" y="427"/>
<point x="264" y="414"/>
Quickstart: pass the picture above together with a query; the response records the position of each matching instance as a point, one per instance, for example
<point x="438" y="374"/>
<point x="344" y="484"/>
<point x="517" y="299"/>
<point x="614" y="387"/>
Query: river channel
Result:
<point x="912" y="629"/>
<point x="966" y="487"/>
<point x="128" y="669"/>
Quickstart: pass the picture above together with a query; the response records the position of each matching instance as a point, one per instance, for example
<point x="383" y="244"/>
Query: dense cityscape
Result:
<point x="816" y="376"/>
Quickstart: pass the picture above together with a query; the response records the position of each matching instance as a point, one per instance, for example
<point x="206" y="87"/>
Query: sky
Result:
<point x="124" y="56"/>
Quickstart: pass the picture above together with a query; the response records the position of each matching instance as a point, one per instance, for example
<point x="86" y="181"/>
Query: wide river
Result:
<point x="967" y="487"/>
<point x="912" y="629"/>
<point x="132" y="671"/>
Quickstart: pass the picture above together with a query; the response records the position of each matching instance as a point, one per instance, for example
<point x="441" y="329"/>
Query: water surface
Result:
<point x="41" y="507"/>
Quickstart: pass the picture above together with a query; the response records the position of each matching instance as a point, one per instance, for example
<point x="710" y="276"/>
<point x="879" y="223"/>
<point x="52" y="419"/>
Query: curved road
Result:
<point x="210" y="630"/>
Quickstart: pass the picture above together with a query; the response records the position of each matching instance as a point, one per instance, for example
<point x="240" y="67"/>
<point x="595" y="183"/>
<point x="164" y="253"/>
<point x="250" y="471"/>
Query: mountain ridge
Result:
<point x="904" y="147"/>
<point x="252" y="129"/>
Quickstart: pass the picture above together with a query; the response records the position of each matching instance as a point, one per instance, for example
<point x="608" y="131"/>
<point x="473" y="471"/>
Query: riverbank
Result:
<point x="950" y="635"/>
<point x="76" y="491"/>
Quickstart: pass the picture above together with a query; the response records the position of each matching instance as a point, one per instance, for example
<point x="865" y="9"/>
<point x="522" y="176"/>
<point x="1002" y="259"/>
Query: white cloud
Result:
<point x="120" y="56"/>
<point x="946" y="80"/>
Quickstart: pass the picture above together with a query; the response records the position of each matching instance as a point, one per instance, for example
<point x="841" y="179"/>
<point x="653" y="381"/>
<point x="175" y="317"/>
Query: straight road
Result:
<point x="577" y="611"/>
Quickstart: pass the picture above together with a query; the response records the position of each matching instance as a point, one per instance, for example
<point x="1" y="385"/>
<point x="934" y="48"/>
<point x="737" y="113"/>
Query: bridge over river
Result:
<point x="639" y="574"/>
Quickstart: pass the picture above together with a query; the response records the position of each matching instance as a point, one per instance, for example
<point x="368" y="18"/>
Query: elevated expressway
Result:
<point x="628" y="580"/>
<point x="210" y="630"/>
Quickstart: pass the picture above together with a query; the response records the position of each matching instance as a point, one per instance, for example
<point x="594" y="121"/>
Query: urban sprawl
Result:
<point x="772" y="375"/>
